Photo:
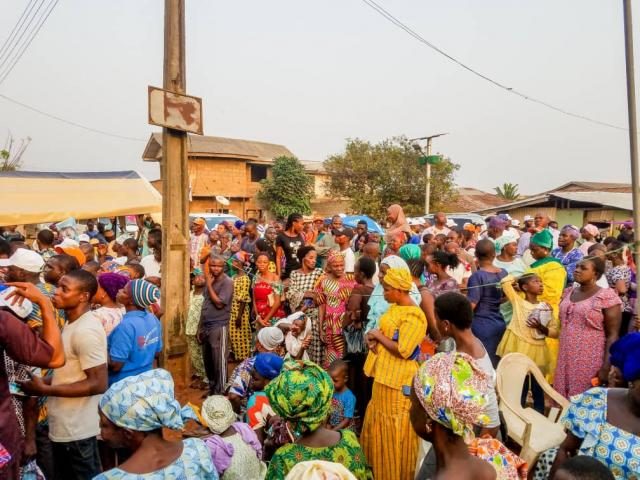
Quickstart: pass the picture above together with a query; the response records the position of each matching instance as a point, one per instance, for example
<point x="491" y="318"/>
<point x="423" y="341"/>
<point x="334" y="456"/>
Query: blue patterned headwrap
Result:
<point x="144" y="403"/>
<point x="143" y="293"/>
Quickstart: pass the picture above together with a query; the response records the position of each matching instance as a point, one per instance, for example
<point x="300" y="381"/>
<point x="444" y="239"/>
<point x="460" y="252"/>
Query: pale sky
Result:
<point x="308" y="75"/>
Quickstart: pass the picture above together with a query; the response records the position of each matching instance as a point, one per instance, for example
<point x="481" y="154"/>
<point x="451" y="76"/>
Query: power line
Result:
<point x="17" y="26"/>
<point x="19" y="34"/>
<point x="43" y="18"/>
<point x="69" y="122"/>
<point x="384" y="13"/>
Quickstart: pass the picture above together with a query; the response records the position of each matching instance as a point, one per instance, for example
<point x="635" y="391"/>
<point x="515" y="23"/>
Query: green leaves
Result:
<point x="374" y="176"/>
<point x="508" y="191"/>
<point x="288" y="190"/>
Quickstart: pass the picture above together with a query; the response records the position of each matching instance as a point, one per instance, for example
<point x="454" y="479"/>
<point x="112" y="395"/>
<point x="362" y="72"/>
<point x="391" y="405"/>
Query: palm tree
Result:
<point x="508" y="191"/>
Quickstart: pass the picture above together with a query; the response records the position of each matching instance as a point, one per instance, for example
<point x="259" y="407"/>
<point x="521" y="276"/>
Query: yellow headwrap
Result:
<point x="398" y="278"/>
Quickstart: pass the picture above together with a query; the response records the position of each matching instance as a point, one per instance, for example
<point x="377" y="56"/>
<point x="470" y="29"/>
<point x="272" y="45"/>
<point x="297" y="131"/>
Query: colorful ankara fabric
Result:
<point x="301" y="395"/>
<point x="346" y="452"/>
<point x="195" y="462"/>
<point x="453" y="391"/>
<point x="569" y="260"/>
<point x="144" y="403"/>
<point x="507" y="464"/>
<point x="619" y="450"/>
<point x="582" y="323"/>
<point x="191" y="330"/>
<point x="143" y="293"/>
<point x="333" y="294"/>
<point x="240" y="335"/>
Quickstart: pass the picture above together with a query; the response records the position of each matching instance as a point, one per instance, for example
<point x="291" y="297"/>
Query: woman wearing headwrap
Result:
<point x="378" y="306"/>
<point x="269" y="339"/>
<point x="137" y="341"/>
<point x="235" y="449"/>
<point x="110" y="312"/>
<point x="554" y="279"/>
<point x="265" y="368"/>
<point x="604" y="423"/>
<point x="301" y="395"/>
<point x="133" y="413"/>
<point x="319" y="470"/>
<point x="399" y="223"/>
<point x="332" y="293"/>
<point x="507" y="259"/>
<point x="388" y="440"/>
<point x="410" y="252"/>
<point x="567" y="252"/>
<point x="448" y="399"/>
<point x="589" y="233"/>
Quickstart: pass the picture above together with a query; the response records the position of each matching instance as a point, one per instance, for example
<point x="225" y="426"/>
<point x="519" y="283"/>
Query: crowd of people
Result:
<point x="323" y="351"/>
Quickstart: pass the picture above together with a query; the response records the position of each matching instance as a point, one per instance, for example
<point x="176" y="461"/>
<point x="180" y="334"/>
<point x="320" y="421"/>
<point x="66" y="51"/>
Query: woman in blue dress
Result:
<point x="485" y="297"/>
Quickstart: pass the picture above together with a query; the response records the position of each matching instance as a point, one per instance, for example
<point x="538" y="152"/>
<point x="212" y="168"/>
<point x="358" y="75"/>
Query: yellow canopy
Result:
<point x="47" y="197"/>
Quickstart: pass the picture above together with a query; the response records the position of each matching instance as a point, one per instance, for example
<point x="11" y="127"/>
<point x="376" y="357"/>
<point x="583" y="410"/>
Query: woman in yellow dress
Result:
<point x="554" y="279"/>
<point x="389" y="441"/>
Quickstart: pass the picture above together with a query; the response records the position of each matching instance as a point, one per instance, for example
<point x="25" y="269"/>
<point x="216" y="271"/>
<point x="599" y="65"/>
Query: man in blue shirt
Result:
<point x="137" y="340"/>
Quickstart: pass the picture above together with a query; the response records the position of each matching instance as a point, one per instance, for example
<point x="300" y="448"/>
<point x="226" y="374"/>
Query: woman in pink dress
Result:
<point x="333" y="291"/>
<point x="590" y="319"/>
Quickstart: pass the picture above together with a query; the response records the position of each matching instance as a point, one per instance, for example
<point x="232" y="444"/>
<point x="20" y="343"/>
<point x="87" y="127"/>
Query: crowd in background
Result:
<point x="319" y="348"/>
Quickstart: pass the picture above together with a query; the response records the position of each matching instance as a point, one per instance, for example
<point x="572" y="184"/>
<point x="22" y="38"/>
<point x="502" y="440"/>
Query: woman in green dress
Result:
<point x="301" y="395"/>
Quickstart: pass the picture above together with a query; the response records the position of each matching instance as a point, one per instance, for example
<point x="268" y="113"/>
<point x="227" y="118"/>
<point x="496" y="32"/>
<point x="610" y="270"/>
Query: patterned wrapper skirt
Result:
<point x="388" y="439"/>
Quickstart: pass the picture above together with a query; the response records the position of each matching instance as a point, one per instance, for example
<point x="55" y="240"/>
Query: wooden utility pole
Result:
<point x="175" y="229"/>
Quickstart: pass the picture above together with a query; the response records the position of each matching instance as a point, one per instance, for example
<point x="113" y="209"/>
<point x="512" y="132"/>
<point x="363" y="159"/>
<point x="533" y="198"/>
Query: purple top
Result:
<point x="222" y="452"/>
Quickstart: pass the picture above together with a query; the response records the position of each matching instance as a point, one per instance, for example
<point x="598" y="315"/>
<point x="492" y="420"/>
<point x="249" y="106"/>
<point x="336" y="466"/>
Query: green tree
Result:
<point x="374" y="176"/>
<point x="288" y="190"/>
<point x="508" y="191"/>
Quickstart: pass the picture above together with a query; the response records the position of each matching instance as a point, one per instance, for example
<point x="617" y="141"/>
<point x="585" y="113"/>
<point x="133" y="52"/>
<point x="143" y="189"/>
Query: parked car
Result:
<point x="213" y="219"/>
<point x="461" y="218"/>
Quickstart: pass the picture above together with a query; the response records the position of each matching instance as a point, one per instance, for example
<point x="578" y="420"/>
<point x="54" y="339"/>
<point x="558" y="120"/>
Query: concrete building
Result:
<point x="575" y="203"/>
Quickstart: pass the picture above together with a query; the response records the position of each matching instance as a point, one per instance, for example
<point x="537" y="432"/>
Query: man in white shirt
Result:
<point x="74" y="390"/>
<point x="153" y="262"/>
<point x="439" y="225"/>
<point x="343" y="241"/>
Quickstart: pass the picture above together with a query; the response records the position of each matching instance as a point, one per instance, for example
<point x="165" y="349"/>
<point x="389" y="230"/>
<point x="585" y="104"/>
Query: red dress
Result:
<point x="262" y="289"/>
<point x="582" y="340"/>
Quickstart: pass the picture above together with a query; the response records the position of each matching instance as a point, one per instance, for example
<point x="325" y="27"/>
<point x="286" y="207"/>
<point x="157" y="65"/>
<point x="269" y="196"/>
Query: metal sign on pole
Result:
<point x="633" y="131"/>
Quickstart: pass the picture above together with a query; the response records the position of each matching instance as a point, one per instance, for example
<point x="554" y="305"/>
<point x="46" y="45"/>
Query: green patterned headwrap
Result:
<point x="301" y="395"/>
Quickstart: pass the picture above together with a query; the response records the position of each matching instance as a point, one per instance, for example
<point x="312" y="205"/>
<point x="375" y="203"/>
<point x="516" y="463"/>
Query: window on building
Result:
<point x="258" y="172"/>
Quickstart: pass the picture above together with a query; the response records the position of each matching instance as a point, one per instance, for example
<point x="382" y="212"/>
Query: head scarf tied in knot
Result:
<point x="319" y="470"/>
<point x="625" y="354"/>
<point x="453" y="391"/>
<point x="410" y="252"/>
<point x="301" y="395"/>
<point x="571" y="230"/>
<point x="394" y="261"/>
<point x="399" y="278"/>
<point x="217" y="413"/>
<point x="268" y="365"/>
<point x="591" y="229"/>
<point x="145" y="402"/>
<point x="334" y="255"/>
<point x="504" y="240"/>
<point x="543" y="239"/>
<point x="270" y="337"/>
<point x="143" y="293"/>
<point x="112" y="283"/>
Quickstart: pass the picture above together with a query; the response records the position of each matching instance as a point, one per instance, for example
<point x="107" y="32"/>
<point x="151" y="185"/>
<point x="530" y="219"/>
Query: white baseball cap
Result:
<point x="527" y="218"/>
<point x="25" y="259"/>
<point x="84" y="238"/>
<point x="68" y="242"/>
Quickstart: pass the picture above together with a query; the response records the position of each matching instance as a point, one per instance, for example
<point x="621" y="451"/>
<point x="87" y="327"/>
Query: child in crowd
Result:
<point x="343" y="404"/>
<point x="265" y="368"/>
<point x="298" y="338"/>
<point x="196" y="299"/>
<point x="235" y="449"/>
<point x="531" y="323"/>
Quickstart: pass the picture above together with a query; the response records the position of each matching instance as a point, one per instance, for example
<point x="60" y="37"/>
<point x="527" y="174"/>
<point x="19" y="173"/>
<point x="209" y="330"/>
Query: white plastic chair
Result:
<point x="534" y="432"/>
